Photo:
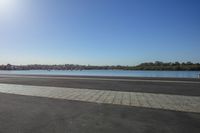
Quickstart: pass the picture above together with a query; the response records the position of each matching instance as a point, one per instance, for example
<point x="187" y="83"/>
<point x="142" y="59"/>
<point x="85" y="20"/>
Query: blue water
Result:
<point x="177" y="74"/>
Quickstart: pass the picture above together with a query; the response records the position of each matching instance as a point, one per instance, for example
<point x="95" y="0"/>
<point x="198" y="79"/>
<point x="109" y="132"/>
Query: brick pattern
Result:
<point x="148" y="100"/>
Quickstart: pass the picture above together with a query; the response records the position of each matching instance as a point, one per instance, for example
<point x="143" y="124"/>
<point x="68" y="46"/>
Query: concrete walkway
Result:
<point x="148" y="100"/>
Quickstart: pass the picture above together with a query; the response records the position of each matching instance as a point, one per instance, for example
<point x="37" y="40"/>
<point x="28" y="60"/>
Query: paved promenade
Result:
<point x="149" y="100"/>
<point x="171" y="86"/>
<point x="60" y="104"/>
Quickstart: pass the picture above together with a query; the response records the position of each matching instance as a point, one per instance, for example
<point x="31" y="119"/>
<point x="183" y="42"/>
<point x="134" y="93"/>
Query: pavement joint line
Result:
<point x="122" y="95"/>
<point x="146" y="100"/>
<point x="134" y="101"/>
<point x="76" y="96"/>
<point x="92" y="97"/>
<point x="180" y="104"/>
<point x="69" y="95"/>
<point x="107" y="95"/>
<point x="76" y="93"/>
<point x="137" y="99"/>
<point x="117" y="98"/>
<point x="140" y="104"/>
<point x="114" y="92"/>
<point x="129" y="98"/>
<point x="150" y="99"/>
<point x="157" y="101"/>
<point x="83" y="95"/>
<point x="101" y="94"/>
<point x="63" y="95"/>
<point x="58" y="94"/>
<point x="99" y="99"/>
<point x="88" y="96"/>
<point x="125" y="99"/>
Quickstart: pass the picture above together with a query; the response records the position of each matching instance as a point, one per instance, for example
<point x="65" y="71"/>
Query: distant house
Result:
<point x="9" y="67"/>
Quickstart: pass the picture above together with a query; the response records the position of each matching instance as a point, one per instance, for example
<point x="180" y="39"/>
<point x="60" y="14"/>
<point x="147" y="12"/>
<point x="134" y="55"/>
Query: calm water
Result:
<point x="180" y="74"/>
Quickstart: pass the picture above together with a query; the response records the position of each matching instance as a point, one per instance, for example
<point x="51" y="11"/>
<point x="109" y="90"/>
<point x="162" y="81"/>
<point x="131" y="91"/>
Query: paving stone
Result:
<point x="149" y="100"/>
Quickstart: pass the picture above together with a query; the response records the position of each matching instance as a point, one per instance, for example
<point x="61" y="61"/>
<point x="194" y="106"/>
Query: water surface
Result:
<point x="133" y="73"/>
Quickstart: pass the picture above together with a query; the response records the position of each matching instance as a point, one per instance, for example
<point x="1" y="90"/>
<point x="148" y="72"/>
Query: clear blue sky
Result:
<point x="99" y="32"/>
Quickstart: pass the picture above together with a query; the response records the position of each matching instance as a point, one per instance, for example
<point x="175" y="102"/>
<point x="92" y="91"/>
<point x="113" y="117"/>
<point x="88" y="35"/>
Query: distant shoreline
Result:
<point x="93" y="70"/>
<point x="149" y="66"/>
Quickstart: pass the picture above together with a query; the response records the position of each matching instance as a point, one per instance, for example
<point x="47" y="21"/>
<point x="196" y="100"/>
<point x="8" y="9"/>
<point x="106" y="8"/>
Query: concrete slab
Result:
<point x="148" y="100"/>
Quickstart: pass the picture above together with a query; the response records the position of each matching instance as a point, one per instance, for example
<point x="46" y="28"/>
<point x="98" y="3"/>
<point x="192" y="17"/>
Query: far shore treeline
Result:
<point x="158" y="65"/>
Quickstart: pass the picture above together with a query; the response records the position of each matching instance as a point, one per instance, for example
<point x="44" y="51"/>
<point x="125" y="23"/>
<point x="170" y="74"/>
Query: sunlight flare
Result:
<point x="7" y="5"/>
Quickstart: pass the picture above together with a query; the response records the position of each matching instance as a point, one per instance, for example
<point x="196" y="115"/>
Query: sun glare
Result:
<point x="7" y="6"/>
